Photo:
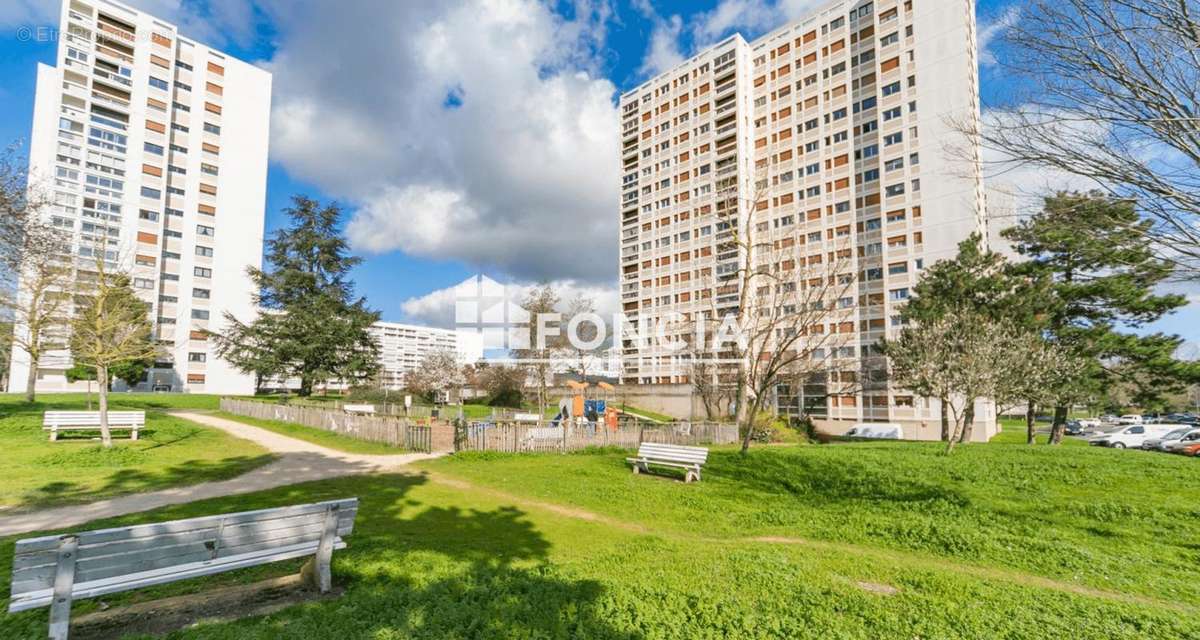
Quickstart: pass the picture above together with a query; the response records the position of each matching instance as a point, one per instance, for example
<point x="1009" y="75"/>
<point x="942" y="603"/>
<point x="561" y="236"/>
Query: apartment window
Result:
<point x="174" y="169"/>
<point x="168" y="299"/>
<point x="209" y="169"/>
<point x="180" y="106"/>
<point x="152" y="216"/>
<point x="840" y="136"/>
<point x="173" y="212"/>
<point x="894" y="164"/>
<point x="200" y="314"/>
<point x="891" y="114"/>
<point x="889" y="39"/>
<point x="895" y="189"/>
<point x="202" y="230"/>
<point x="870" y="175"/>
<point x="158" y="84"/>
<point x="869" y="126"/>
<point x="212" y="128"/>
<point x="914" y="158"/>
<point x="153" y="148"/>
<point x="178" y="149"/>
<point x="178" y="127"/>
<point x="201" y="293"/>
<point x="202" y="272"/>
<point x="172" y="277"/>
<point x="172" y="255"/>
<point x="171" y="233"/>
<point x="873" y="224"/>
<point x="891" y="89"/>
<point x="898" y="294"/>
<point x="181" y="85"/>
<point x="897" y="268"/>
<point x="868" y="103"/>
<point x="143" y="283"/>
<point x="183" y="65"/>
<point x="153" y="194"/>
<point x="841" y="207"/>
<point x="870" y="151"/>
<point x="197" y="357"/>
<point x="175" y="191"/>
<point x="204" y="251"/>
<point x="893" y="138"/>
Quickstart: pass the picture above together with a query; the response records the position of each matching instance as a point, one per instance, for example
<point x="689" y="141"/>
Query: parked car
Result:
<point x="1129" y="435"/>
<point x="1190" y="449"/>
<point x="1131" y="418"/>
<point x="1089" y="422"/>
<point x="883" y="430"/>
<point x="1186" y="442"/>
<point x="1160" y="443"/>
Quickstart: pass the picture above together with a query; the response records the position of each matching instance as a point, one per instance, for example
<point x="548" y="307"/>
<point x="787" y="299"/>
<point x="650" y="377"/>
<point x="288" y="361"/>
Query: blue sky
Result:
<point x="444" y="149"/>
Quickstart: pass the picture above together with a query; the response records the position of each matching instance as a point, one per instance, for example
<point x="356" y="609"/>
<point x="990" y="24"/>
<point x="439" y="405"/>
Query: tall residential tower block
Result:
<point x="154" y="147"/>
<point x="836" y="137"/>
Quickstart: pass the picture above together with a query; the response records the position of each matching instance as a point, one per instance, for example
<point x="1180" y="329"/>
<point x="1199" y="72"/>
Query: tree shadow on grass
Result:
<point x="130" y="480"/>
<point x="827" y="480"/>
<point x="411" y="569"/>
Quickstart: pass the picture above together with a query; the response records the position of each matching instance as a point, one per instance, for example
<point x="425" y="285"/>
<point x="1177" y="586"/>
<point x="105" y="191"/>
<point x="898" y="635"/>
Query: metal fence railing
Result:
<point x="398" y="432"/>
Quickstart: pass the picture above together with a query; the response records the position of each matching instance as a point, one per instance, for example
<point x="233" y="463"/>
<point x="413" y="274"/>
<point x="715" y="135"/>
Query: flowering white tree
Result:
<point x="439" y="372"/>
<point x="959" y="357"/>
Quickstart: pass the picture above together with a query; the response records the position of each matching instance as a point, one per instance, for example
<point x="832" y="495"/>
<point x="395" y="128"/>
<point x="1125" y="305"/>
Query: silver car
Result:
<point x="1160" y="443"/>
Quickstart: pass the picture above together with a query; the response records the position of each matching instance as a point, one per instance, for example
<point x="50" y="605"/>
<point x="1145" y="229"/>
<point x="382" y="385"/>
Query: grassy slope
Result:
<point x="429" y="559"/>
<point x="169" y="452"/>
<point x="1108" y="519"/>
<point x="316" y="436"/>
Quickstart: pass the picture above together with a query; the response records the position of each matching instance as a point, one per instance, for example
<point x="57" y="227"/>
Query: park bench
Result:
<point x="690" y="459"/>
<point x="365" y="409"/>
<point x="56" y="421"/>
<point x="55" y="570"/>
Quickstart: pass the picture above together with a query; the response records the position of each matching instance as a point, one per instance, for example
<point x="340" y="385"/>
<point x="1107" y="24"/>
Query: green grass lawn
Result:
<point x="316" y="436"/>
<point x="864" y="540"/>
<point x="169" y="452"/>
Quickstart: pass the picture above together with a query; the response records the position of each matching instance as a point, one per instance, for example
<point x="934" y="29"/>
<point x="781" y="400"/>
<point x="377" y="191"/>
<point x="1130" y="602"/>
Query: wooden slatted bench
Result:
<point x="690" y="459"/>
<point x="55" y="570"/>
<point x="56" y="421"/>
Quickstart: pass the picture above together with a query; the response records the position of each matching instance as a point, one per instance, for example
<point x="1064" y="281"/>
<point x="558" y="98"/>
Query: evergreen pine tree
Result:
<point x="1102" y="273"/>
<point x="311" y="327"/>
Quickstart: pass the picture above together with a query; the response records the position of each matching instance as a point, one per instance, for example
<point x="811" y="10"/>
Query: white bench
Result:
<point x="54" y="570"/>
<point x="367" y="409"/>
<point x="690" y="459"/>
<point x="55" y="421"/>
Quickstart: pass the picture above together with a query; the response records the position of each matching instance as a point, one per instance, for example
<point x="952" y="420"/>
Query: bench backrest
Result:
<point x="673" y="453"/>
<point x="124" y="558"/>
<point x="358" y="408"/>
<point x="83" y="418"/>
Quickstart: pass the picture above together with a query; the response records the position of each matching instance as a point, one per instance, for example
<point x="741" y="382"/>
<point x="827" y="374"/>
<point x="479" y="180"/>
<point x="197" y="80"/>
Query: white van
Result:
<point x="1132" y="418"/>
<point x="1131" y="435"/>
<point x="881" y="430"/>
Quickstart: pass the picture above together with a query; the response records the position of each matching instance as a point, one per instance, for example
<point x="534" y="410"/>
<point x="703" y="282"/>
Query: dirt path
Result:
<point x="298" y="461"/>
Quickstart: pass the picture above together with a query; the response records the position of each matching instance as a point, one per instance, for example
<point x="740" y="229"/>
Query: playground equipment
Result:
<point x="588" y="404"/>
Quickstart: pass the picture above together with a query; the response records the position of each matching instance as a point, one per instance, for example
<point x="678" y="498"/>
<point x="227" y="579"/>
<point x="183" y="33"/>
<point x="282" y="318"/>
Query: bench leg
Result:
<point x="692" y="475"/>
<point x="316" y="571"/>
<point x="64" y="582"/>
<point x="134" y="436"/>
<point x="53" y="432"/>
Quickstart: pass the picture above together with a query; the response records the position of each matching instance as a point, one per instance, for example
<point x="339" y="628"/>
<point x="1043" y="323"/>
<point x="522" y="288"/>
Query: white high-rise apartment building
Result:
<point x="155" y="146"/>
<point x="833" y="140"/>
<point x="403" y="346"/>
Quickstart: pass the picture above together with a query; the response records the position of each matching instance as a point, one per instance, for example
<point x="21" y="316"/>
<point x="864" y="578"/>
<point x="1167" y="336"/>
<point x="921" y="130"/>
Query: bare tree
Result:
<point x="790" y="318"/>
<point x="1112" y="95"/>
<point x="958" y="358"/>
<point x="111" y="325"/>
<point x="580" y="340"/>
<point x="35" y="274"/>
<point x="538" y="356"/>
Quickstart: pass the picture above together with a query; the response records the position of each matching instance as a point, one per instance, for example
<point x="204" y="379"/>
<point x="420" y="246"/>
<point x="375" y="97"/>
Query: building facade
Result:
<point x="403" y="346"/>
<point x="831" y="141"/>
<point x="154" y="147"/>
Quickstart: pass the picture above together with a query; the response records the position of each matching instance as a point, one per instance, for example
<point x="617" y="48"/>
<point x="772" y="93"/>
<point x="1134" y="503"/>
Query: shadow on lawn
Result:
<point x="126" y="480"/>
<point x="498" y="583"/>
<point x="415" y="570"/>
<point x="816" y="477"/>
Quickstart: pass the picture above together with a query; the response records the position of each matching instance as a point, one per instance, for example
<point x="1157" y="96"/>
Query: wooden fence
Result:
<point x="398" y="432"/>
<point x="516" y="438"/>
